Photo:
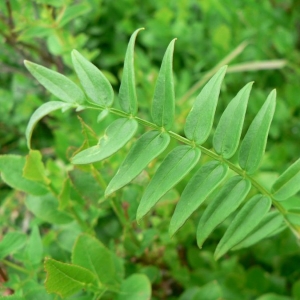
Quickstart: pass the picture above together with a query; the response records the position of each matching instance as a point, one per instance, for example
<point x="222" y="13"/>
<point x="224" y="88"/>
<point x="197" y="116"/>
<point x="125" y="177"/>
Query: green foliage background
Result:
<point x="207" y="31"/>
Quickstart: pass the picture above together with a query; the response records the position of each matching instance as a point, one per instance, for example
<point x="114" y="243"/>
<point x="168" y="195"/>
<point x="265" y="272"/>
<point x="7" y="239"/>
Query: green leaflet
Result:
<point x="209" y="291"/>
<point x="200" y="119"/>
<point x="41" y="112"/>
<point x="163" y="104"/>
<point x="127" y="92"/>
<point x="11" y="167"/>
<point x="226" y="201"/>
<point x="35" y="247"/>
<point x="66" y="279"/>
<point x="244" y="222"/>
<point x="56" y="83"/>
<point x="254" y="143"/>
<point x="202" y="184"/>
<point x="228" y="132"/>
<point x="11" y="242"/>
<point x="146" y="148"/>
<point x="95" y="84"/>
<point x="135" y="287"/>
<point x="287" y="184"/>
<point x="116" y="136"/>
<point x="90" y="253"/>
<point x="270" y="223"/>
<point x="174" y="167"/>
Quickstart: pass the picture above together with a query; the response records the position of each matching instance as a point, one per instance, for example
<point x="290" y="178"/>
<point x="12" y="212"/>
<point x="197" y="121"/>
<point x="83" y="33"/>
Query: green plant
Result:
<point x="252" y="221"/>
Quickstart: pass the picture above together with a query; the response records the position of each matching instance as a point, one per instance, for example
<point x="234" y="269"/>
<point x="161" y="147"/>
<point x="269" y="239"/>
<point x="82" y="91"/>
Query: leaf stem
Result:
<point x="15" y="266"/>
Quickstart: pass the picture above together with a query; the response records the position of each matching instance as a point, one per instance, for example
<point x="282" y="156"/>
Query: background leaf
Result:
<point x="200" y="119"/>
<point x="163" y="104"/>
<point x="254" y="143"/>
<point x="201" y="185"/>
<point x="243" y="223"/>
<point x="127" y="92"/>
<point x="95" y="84"/>
<point x="35" y="247"/>
<point x="11" y="242"/>
<point x="174" y="167"/>
<point x="56" y="83"/>
<point x="228" y="132"/>
<point x="145" y="149"/>
<point x="115" y="137"/>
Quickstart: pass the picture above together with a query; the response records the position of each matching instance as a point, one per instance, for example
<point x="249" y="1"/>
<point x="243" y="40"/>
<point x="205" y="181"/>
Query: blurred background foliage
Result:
<point x="259" y="40"/>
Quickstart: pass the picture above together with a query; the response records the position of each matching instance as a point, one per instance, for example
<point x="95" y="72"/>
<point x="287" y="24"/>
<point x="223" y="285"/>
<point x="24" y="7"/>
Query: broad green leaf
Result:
<point x="294" y="218"/>
<point x="94" y="83"/>
<point x="163" y="104"/>
<point x="127" y="92"/>
<point x="91" y="254"/>
<point x="11" y="167"/>
<point x="66" y="279"/>
<point x="71" y="12"/>
<point x="34" y="168"/>
<point x="200" y="119"/>
<point x="174" y="167"/>
<point x="226" y="201"/>
<point x="41" y="112"/>
<point x="146" y="148"/>
<point x="254" y="143"/>
<point x="56" y="83"/>
<point x="287" y="184"/>
<point x="228" y="132"/>
<point x="244" y="222"/>
<point x="202" y="184"/>
<point x="135" y="287"/>
<point x="64" y="195"/>
<point x="11" y="242"/>
<point x="270" y="223"/>
<point x="210" y="291"/>
<point x="116" y="136"/>
<point x="46" y="208"/>
<point x="35" y="247"/>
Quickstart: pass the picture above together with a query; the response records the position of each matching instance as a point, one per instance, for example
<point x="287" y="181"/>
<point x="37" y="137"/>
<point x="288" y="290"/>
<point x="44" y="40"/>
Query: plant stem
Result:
<point x="15" y="266"/>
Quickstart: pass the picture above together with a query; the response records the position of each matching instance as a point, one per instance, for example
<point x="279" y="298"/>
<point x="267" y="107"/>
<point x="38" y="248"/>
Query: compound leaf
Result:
<point x="146" y="148"/>
<point x="226" y="201"/>
<point x="163" y="104"/>
<point x="95" y="84"/>
<point x="202" y="184"/>
<point x="254" y="143"/>
<point x="269" y="224"/>
<point x="135" y="287"/>
<point x="287" y="184"/>
<point x="228" y="132"/>
<point x="116" y="136"/>
<point x="174" y="167"/>
<point x="66" y="279"/>
<point x="200" y="119"/>
<point x="41" y="112"/>
<point x="56" y="83"/>
<point x="11" y="167"/>
<point x="127" y="92"/>
<point x="244" y="222"/>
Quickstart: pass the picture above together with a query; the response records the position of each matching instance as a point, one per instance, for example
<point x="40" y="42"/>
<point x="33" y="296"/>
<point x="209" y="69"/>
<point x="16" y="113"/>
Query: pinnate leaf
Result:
<point x="116" y="136"/>
<point x="146" y="148"/>
<point x="200" y="119"/>
<point x="228" y="132"/>
<point x="163" y="105"/>
<point x="269" y="224"/>
<point x="11" y="242"/>
<point x="254" y="143"/>
<point x="66" y="279"/>
<point x="41" y="112"/>
<point x="244" y="222"/>
<point x="226" y="201"/>
<point x="135" y="287"/>
<point x="127" y="92"/>
<point x="288" y="184"/>
<point x="202" y="184"/>
<point x="11" y="167"/>
<point x="56" y="83"/>
<point x="174" y="167"/>
<point x="95" y="84"/>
